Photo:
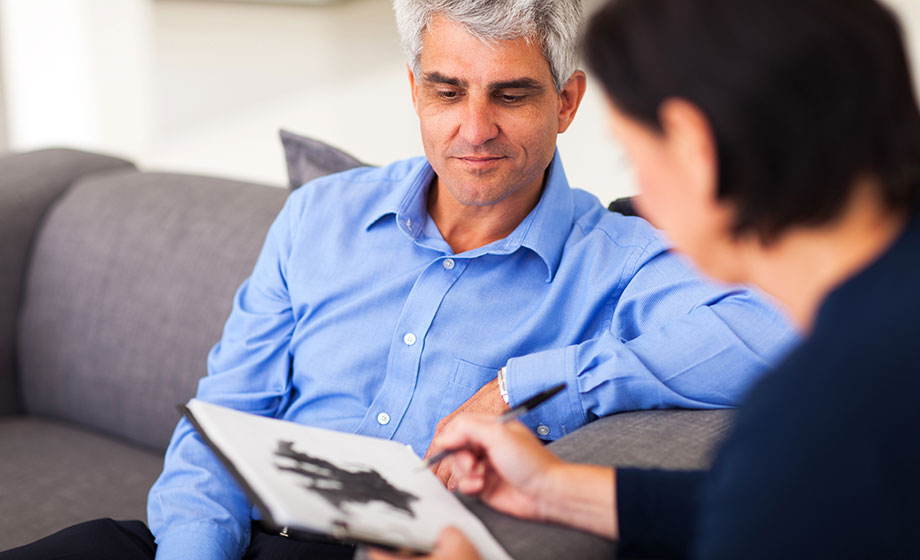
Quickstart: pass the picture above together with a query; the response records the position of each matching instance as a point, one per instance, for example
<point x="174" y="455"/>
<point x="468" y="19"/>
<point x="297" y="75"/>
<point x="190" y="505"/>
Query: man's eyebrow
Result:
<point x="439" y="78"/>
<point x="518" y="83"/>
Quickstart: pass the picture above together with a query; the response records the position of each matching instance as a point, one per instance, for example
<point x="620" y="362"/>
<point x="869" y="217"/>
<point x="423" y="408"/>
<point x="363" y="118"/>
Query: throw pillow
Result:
<point x="308" y="158"/>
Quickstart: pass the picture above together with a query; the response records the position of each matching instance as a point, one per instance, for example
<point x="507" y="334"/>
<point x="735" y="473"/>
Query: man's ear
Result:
<point x="413" y="87"/>
<point x="570" y="98"/>
<point x="692" y="143"/>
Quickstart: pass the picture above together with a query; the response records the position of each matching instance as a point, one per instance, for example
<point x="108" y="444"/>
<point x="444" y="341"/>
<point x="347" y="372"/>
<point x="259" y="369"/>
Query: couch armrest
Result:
<point x="673" y="439"/>
<point x="29" y="184"/>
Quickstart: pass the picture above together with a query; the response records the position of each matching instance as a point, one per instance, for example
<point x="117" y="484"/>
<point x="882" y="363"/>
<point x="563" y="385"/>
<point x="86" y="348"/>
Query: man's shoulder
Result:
<point x="357" y="188"/>
<point x="596" y="223"/>
<point x="396" y="172"/>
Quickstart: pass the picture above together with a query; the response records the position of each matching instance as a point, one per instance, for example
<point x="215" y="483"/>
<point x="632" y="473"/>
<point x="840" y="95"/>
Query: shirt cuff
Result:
<point x="202" y="541"/>
<point x="530" y="374"/>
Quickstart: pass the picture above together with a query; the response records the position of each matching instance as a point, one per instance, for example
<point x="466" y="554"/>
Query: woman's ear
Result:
<point x="689" y="136"/>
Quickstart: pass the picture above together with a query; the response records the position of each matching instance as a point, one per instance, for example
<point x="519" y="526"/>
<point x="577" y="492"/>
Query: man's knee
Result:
<point x="99" y="538"/>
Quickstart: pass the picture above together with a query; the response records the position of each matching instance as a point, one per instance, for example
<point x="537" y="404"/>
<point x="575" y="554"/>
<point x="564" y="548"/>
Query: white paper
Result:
<point x="345" y="485"/>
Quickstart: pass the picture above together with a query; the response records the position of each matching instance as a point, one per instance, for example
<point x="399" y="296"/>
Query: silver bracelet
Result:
<point x="503" y="385"/>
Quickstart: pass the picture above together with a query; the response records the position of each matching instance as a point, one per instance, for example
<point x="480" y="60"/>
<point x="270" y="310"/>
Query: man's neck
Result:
<point x="804" y="266"/>
<point x="465" y="228"/>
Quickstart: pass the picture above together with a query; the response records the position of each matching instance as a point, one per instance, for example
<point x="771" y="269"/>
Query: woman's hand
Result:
<point x="509" y="469"/>
<point x="506" y="466"/>
<point x="451" y="545"/>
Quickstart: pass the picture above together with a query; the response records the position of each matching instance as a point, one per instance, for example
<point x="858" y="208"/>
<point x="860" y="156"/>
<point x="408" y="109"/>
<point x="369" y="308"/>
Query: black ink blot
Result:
<point x="339" y="486"/>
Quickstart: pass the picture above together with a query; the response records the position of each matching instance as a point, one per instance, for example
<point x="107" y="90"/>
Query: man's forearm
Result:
<point x="194" y="508"/>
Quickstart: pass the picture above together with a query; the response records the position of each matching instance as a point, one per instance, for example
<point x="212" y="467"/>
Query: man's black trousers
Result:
<point x="105" y="539"/>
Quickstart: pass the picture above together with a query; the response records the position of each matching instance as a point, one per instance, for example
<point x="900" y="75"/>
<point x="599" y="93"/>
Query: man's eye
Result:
<point x="511" y="99"/>
<point x="448" y="95"/>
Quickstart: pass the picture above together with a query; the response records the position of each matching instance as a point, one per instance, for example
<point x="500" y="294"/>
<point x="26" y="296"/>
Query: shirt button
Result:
<point x="383" y="418"/>
<point x="409" y="339"/>
<point x="543" y="430"/>
<point x="409" y="223"/>
<point x="448" y="264"/>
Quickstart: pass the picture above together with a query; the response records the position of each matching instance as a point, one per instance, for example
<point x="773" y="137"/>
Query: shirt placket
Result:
<point x="407" y="344"/>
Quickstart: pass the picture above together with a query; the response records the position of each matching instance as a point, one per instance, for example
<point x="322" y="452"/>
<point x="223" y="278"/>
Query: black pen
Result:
<point x="513" y="414"/>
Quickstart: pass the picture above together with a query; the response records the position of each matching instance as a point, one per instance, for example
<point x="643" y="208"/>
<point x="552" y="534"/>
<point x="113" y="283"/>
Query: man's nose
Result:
<point x="479" y="124"/>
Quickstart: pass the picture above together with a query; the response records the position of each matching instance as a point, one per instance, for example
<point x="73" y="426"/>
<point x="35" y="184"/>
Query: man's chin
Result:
<point x="481" y="195"/>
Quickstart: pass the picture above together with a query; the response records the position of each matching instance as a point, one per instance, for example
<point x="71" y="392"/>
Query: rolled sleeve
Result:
<point x="528" y="375"/>
<point x="672" y="341"/>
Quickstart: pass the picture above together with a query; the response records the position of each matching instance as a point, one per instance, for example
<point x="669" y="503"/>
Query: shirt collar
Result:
<point x="544" y="231"/>
<point x="406" y="199"/>
<point x="552" y="219"/>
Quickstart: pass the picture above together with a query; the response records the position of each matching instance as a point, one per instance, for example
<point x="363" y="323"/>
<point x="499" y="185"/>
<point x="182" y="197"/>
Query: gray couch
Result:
<point x="114" y="284"/>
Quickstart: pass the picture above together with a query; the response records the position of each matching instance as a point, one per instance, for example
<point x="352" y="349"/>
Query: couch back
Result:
<point x="130" y="280"/>
<point x="29" y="184"/>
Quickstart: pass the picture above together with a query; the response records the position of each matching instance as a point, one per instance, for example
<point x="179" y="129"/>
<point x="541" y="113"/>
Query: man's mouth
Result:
<point x="480" y="161"/>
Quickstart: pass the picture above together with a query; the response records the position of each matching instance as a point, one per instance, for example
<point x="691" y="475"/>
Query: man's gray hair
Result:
<point x="554" y="24"/>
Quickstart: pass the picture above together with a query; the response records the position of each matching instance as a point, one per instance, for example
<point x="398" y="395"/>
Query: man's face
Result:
<point x="489" y="114"/>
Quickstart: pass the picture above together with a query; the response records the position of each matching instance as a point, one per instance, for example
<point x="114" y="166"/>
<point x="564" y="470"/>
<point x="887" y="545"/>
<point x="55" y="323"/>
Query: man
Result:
<point x="385" y="300"/>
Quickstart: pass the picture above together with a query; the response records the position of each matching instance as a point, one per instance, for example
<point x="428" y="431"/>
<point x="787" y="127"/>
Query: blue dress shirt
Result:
<point x="358" y="317"/>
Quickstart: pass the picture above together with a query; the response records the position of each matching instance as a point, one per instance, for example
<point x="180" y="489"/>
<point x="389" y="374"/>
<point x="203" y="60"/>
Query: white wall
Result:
<point x="203" y="86"/>
<point x="76" y="73"/>
<point x="3" y="133"/>
<point x="337" y="73"/>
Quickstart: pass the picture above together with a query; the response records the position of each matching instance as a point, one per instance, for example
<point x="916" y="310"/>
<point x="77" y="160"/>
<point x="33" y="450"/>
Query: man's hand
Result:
<point x="488" y="401"/>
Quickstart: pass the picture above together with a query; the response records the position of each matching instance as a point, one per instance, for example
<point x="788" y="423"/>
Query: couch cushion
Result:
<point x="29" y="183"/>
<point x="668" y="439"/>
<point x="131" y="281"/>
<point x="54" y="475"/>
<point x="673" y="439"/>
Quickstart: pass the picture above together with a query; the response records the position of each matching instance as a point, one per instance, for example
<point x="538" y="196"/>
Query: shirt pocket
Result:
<point x="465" y="380"/>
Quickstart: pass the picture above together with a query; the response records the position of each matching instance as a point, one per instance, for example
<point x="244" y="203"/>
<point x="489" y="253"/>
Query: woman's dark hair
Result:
<point x="804" y="97"/>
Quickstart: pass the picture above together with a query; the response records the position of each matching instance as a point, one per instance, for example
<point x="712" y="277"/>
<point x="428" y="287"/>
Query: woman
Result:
<point x="776" y="142"/>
